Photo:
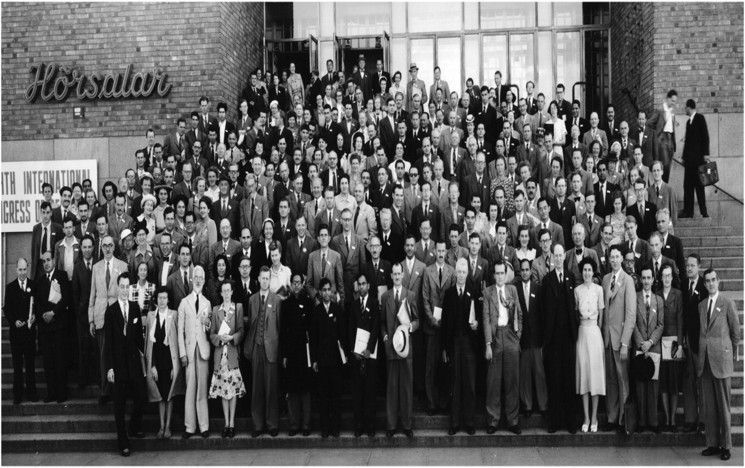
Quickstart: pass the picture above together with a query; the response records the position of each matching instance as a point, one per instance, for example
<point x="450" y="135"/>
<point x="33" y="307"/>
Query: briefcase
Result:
<point x="708" y="173"/>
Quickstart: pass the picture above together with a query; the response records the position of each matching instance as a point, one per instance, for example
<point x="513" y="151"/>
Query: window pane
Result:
<point x="472" y="66"/>
<point x="568" y="14"/>
<point x="431" y="16"/>
<point x="493" y="58"/>
<point x="422" y="53"/>
<point x="398" y="17"/>
<point x="448" y="58"/>
<point x="521" y="61"/>
<point x="507" y="14"/>
<point x="326" y="52"/>
<point x="399" y="59"/>
<point x="305" y="19"/>
<point x="327" y="18"/>
<point x="544" y="14"/>
<point x="545" y="79"/>
<point x="568" y="55"/>
<point x="471" y="12"/>
<point x="354" y="19"/>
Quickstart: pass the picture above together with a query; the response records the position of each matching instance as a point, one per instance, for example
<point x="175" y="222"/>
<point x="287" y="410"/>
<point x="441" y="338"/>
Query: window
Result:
<point x="568" y="56"/>
<point x="507" y="14"/>
<point x="521" y="61"/>
<point x="471" y="15"/>
<point x="422" y="53"/>
<point x="545" y="76"/>
<point x="399" y="60"/>
<point x="327" y="18"/>
<point x="353" y="19"/>
<point x="471" y="63"/>
<point x="305" y="18"/>
<point x="432" y="16"/>
<point x="493" y="58"/>
<point x="448" y="58"/>
<point x="567" y="14"/>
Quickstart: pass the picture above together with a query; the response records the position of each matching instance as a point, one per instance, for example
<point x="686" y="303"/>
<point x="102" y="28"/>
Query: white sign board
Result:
<point x="21" y="187"/>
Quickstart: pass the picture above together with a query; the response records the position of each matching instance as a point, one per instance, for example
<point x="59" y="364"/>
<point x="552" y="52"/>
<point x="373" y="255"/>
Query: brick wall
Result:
<point x="205" y="48"/>
<point x="695" y="48"/>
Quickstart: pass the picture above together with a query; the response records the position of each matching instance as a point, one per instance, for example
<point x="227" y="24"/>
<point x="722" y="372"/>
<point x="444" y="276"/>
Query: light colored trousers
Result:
<point x="616" y="384"/>
<point x="195" y="400"/>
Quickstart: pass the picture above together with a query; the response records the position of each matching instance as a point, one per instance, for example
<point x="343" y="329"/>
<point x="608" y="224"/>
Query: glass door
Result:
<point x="313" y="52"/>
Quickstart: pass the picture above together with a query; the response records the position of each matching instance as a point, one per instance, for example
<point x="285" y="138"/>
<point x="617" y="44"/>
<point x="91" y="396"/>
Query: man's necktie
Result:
<point x="108" y="274"/>
<point x="708" y="315"/>
<point x="126" y="318"/>
<point x="690" y="288"/>
<point x="44" y="242"/>
<point x="323" y="264"/>
<point x="196" y="304"/>
<point x="613" y="282"/>
<point x="356" y="215"/>
<point x="347" y="239"/>
<point x="440" y="283"/>
<point x="397" y="299"/>
<point x="186" y="281"/>
<point x="657" y="188"/>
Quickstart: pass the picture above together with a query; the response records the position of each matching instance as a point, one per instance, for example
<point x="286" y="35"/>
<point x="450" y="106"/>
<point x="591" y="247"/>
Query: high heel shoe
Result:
<point x="594" y="427"/>
<point x="584" y="428"/>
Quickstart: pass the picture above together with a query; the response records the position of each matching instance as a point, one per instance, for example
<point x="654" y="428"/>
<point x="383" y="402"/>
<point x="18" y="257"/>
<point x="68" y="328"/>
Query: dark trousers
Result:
<point x="504" y="370"/>
<point x="692" y="182"/>
<point x="692" y="390"/>
<point x="364" y="386"/>
<point x="105" y="385"/>
<point x="264" y="391"/>
<point x="298" y="409"/>
<point x="53" y="346"/>
<point x="399" y="393"/>
<point x="463" y="402"/>
<point x="122" y="389"/>
<point x="532" y="376"/>
<point x="716" y="396"/>
<point x="665" y="153"/>
<point x="435" y="377"/>
<point x="88" y="366"/>
<point x="23" y="352"/>
<point x="646" y="402"/>
<point x="329" y="389"/>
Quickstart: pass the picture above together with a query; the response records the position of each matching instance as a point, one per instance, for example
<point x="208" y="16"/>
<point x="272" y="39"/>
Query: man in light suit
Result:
<point x="413" y="276"/>
<point x="425" y="247"/>
<point x="329" y="217"/>
<point x="225" y="245"/>
<point x="262" y="351"/>
<point x="104" y="292"/>
<point x="123" y="350"/>
<point x="502" y="322"/>
<point x="662" y="123"/>
<point x="325" y="263"/>
<point x="194" y="352"/>
<point x="661" y="194"/>
<point x="438" y="277"/>
<point x="590" y="221"/>
<point x="363" y="221"/>
<point x="542" y="263"/>
<point x="545" y="222"/>
<point x="399" y="387"/>
<point x="351" y="248"/>
<point x="254" y="208"/>
<point x="577" y="253"/>
<point x="618" y="326"/>
<point x="316" y="204"/>
<point x="640" y="247"/>
<point x="718" y="340"/>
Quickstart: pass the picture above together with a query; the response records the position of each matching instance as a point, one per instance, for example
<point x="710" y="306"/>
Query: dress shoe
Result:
<point x="408" y="433"/>
<point x="306" y="432"/>
<point x="125" y="452"/>
<point x="470" y="430"/>
<point x="17" y="401"/>
<point x="705" y="215"/>
<point x="452" y="431"/>
<point x="515" y="429"/>
<point x="725" y="455"/>
<point x="137" y="434"/>
<point x="609" y="427"/>
<point x="205" y="434"/>
<point x="274" y="432"/>
<point x="292" y="433"/>
<point x="188" y="435"/>
<point x="256" y="434"/>
<point x="224" y="433"/>
<point x="491" y="429"/>
<point x="709" y="451"/>
<point x="684" y="214"/>
<point x="33" y="398"/>
<point x="371" y="434"/>
<point x="655" y="429"/>
<point x="357" y="433"/>
<point x="50" y="399"/>
<point x="232" y="432"/>
<point x="389" y="433"/>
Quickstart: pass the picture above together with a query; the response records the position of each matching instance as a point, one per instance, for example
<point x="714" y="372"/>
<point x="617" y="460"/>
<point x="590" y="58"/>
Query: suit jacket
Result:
<point x="81" y="290"/>
<point x="666" y="199"/>
<point x="216" y="249"/>
<point x="413" y="280"/>
<point x="334" y="272"/>
<point x="447" y="218"/>
<point x="411" y="200"/>
<point x="173" y="145"/>
<point x="124" y="352"/>
<point x="183" y="189"/>
<point x="59" y="255"/>
<point x="297" y="208"/>
<point x="322" y="218"/>
<point x="718" y="337"/>
<point x="600" y="135"/>
<point x="366" y="226"/>
<point x="557" y="232"/>
<point x="673" y="249"/>
<point x="513" y="225"/>
<point x="367" y="319"/>
<point x="160" y="265"/>
<point x="16" y="307"/>
<point x="352" y="258"/>
<point x="80" y="231"/>
<point x="232" y="214"/>
<point x="254" y="219"/>
<point x="532" y="334"/>
<point x="327" y="332"/>
<point x="540" y="268"/>
<point x="563" y="215"/>
<point x="426" y="256"/>
<point x="192" y="334"/>
<point x="455" y="315"/>
<point x="551" y="304"/>
<point x="272" y="314"/>
<point x="592" y="231"/>
<point x="102" y="294"/>
<point x="177" y="290"/>
<point x="400" y="221"/>
<point x="604" y="208"/>
<point x="295" y="256"/>
<point x="393" y="248"/>
<point x="433" y="293"/>
<point x="491" y="312"/>
<point x="691" y="322"/>
<point x="649" y="325"/>
<point x="478" y="277"/>
<point x="42" y="285"/>
<point x="55" y="234"/>
<point x="696" y="144"/>
<point x="236" y="332"/>
<point x="664" y="261"/>
<point x="656" y="122"/>
<point x="116" y="226"/>
<point x="472" y="187"/>
<point x="309" y="211"/>
<point x="571" y="267"/>
<point x="642" y="252"/>
<point x="646" y="221"/>
<point x="389" y="320"/>
<point x="387" y="136"/>
<point x="433" y="215"/>
<point x="619" y="316"/>
<point x="530" y="154"/>
<point x="449" y="171"/>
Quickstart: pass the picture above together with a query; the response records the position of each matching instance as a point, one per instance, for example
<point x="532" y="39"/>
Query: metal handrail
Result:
<point x="717" y="188"/>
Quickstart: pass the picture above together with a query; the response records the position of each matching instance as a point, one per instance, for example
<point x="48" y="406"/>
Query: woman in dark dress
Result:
<point x="293" y="349"/>
<point x="164" y="376"/>
<point x="220" y="274"/>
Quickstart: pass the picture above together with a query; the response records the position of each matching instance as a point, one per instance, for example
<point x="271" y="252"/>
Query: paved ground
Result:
<point x="390" y="456"/>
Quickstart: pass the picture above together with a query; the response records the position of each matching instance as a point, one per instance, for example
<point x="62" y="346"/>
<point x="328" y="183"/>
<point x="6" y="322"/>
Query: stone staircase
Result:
<point x="81" y="424"/>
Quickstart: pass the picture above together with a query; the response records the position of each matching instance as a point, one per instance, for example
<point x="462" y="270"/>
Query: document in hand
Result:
<point x="341" y="353"/>
<point x="437" y="313"/>
<point x="381" y="290"/>
<point x="55" y="295"/>
<point x="224" y="328"/>
<point x="362" y="339"/>
<point x="668" y="350"/>
<point x="472" y="315"/>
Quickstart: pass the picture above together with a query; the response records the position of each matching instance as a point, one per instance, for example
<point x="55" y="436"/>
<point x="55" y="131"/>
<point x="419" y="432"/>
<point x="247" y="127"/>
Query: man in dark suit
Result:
<point x="657" y="262"/>
<point x="52" y="320"/>
<point x="662" y="124"/>
<point x="175" y="143"/>
<point x="532" y="374"/>
<point x="610" y="124"/>
<point x="81" y="291"/>
<point x="378" y="269"/>
<point x="694" y="292"/>
<point x="195" y="134"/>
<point x="382" y="196"/>
<point x="575" y="119"/>
<point x="226" y="207"/>
<point x="562" y="209"/>
<point x="426" y="210"/>
<point x="224" y="128"/>
<point x="387" y="128"/>
<point x="565" y="107"/>
<point x="44" y="237"/>
<point x="62" y="212"/>
<point x="392" y="244"/>
<point x="477" y="183"/>
<point x="695" y="151"/>
<point x="362" y="79"/>
<point x="487" y="115"/>
<point x="298" y="249"/>
<point x="640" y="247"/>
<point x="329" y="352"/>
<point x="672" y="247"/>
<point x="124" y="347"/>
<point x="718" y="341"/>
<point x="87" y="225"/>
<point x="256" y="102"/>
<point x="22" y="328"/>
<point x="645" y="213"/>
<point x="604" y="191"/>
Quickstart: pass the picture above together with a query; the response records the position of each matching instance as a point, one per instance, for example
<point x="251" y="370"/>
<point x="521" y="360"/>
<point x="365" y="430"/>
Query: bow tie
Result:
<point x="579" y="251"/>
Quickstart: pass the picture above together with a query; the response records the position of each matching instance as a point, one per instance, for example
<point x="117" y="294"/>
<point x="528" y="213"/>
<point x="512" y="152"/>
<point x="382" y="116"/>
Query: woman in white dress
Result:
<point x="555" y="124"/>
<point x="279" y="275"/>
<point x="590" y="365"/>
<point x="522" y="252"/>
<point x="345" y="199"/>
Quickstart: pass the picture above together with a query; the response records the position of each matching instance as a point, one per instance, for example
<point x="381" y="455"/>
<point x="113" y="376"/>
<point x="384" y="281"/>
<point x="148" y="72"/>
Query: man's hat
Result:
<point x="124" y="234"/>
<point x="148" y="197"/>
<point x="642" y="367"/>
<point x="401" y="340"/>
<point x="413" y="66"/>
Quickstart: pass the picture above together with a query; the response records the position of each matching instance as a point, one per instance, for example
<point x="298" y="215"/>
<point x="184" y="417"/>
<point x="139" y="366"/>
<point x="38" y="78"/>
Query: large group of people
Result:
<point x="484" y="252"/>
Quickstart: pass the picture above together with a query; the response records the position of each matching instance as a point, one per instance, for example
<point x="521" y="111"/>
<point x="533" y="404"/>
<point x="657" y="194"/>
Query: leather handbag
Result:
<point x="708" y="173"/>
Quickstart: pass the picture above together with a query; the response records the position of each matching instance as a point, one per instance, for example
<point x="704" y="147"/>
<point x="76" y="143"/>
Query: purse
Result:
<point x="708" y="173"/>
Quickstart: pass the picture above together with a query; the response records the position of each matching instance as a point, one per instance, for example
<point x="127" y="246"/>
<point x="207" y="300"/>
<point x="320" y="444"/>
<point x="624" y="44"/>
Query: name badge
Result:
<point x="637" y="254"/>
<point x="268" y="305"/>
<point x="532" y="295"/>
<point x="719" y="309"/>
<point x="135" y="320"/>
<point x="301" y="306"/>
<point x="353" y="247"/>
<point x="305" y="250"/>
<point x="381" y="270"/>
